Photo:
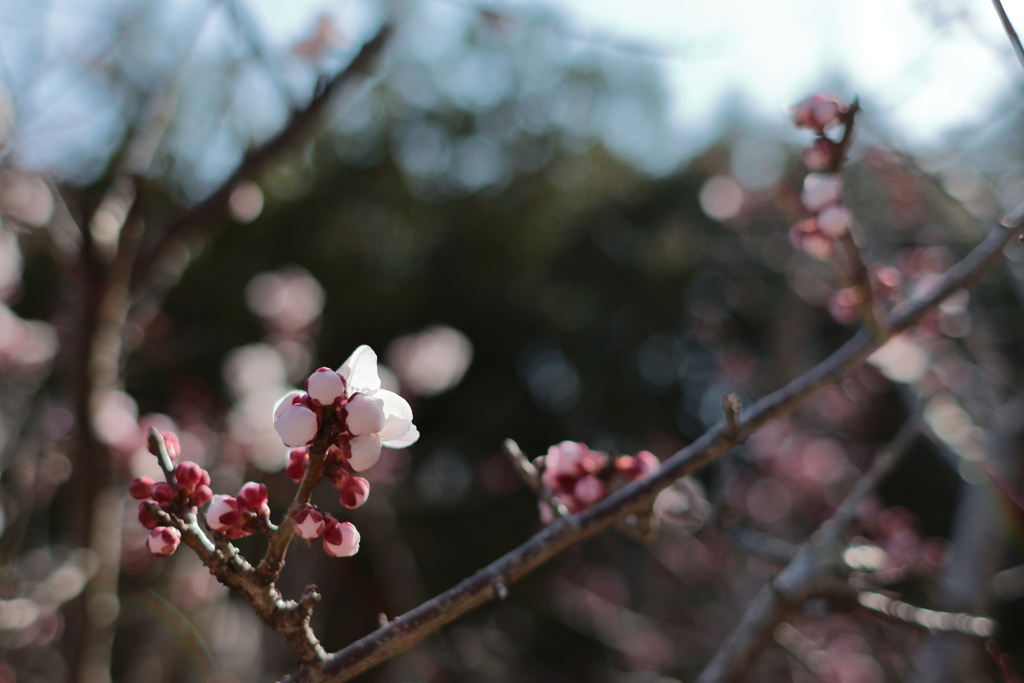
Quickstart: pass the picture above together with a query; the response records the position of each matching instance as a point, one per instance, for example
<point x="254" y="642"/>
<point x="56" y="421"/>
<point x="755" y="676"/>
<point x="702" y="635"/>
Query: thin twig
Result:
<point x="968" y="624"/>
<point x="1018" y="49"/>
<point x="158" y="268"/>
<point x="417" y="624"/>
<point x="533" y="478"/>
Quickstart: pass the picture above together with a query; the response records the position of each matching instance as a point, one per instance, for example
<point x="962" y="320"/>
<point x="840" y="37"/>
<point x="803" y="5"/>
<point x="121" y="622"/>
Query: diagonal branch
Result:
<point x="159" y="267"/>
<point x="414" y="626"/>
<point x="1011" y="33"/>
<point x="817" y="570"/>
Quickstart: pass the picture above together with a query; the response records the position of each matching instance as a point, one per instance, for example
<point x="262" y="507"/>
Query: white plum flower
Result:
<point x="360" y="375"/>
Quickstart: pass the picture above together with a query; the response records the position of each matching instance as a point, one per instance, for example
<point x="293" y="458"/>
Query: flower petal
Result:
<point x="397" y="414"/>
<point x="297" y="426"/>
<point x="365" y="452"/>
<point x="282" y="406"/>
<point x="364" y="414"/>
<point x="360" y="371"/>
<point x="409" y="438"/>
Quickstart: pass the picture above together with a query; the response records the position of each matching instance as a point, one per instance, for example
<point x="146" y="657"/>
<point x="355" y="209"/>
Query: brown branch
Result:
<point x="273" y="561"/>
<point x="161" y="266"/>
<point x="415" y="625"/>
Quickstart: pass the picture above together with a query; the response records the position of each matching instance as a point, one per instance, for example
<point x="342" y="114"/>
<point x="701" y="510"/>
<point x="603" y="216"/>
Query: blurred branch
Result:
<point x="968" y="624"/>
<point x="818" y="570"/>
<point x="482" y="587"/>
<point x="160" y="266"/>
<point x="1018" y="49"/>
<point x="976" y="548"/>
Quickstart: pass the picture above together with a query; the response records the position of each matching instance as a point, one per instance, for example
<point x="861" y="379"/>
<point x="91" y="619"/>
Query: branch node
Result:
<point x="731" y="405"/>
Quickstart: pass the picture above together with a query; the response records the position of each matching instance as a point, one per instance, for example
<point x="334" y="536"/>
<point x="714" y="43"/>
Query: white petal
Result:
<point x="297" y="426"/>
<point x="365" y="452"/>
<point x="364" y="415"/>
<point x="407" y="439"/>
<point x="325" y="386"/>
<point x="282" y="406"/>
<point x="397" y="415"/>
<point x="360" y="371"/>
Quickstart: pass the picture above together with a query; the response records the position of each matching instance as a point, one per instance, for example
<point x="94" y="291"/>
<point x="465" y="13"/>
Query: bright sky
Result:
<point x="928" y="66"/>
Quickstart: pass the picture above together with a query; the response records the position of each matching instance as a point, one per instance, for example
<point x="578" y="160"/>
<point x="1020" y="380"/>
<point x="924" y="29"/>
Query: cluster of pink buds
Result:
<point x="580" y="477"/>
<point x="362" y="417"/>
<point x="189" y="487"/>
<point x="823" y="188"/>
<point x="242" y="515"/>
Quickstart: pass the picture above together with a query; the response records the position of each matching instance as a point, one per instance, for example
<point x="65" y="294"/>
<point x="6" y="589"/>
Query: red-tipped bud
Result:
<point x="201" y="494"/>
<point x="309" y="524"/>
<point x="252" y="496"/>
<point x="341" y="540"/>
<point x="164" y="492"/>
<point x="188" y="474"/>
<point x="163" y="540"/>
<point x="146" y="518"/>
<point x="170" y="443"/>
<point x="140" y="488"/>
<point x="223" y="514"/>
<point x="353" y="492"/>
<point x="296" y="468"/>
<point x="843" y="305"/>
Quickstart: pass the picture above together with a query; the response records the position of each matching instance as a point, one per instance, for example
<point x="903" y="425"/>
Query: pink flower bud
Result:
<point x="297" y="460"/>
<point x="843" y="306"/>
<point x="146" y="518"/>
<point x="648" y="463"/>
<point x="834" y="221"/>
<point x="817" y="245"/>
<point x="325" y="387"/>
<point x="341" y="540"/>
<point x="821" y="155"/>
<point x="223" y="513"/>
<point x="365" y="452"/>
<point x="252" y="496"/>
<point x="886" y="280"/>
<point x="163" y="492"/>
<point x="309" y="524"/>
<point x="564" y="459"/>
<point x="140" y="488"/>
<point x="297" y="426"/>
<point x="589" y="490"/>
<point x="353" y="492"/>
<point x="188" y="474"/>
<point x="820" y="190"/>
<point x="163" y="540"/>
<point x="201" y="494"/>
<point x="818" y="112"/>
<point x="364" y="415"/>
